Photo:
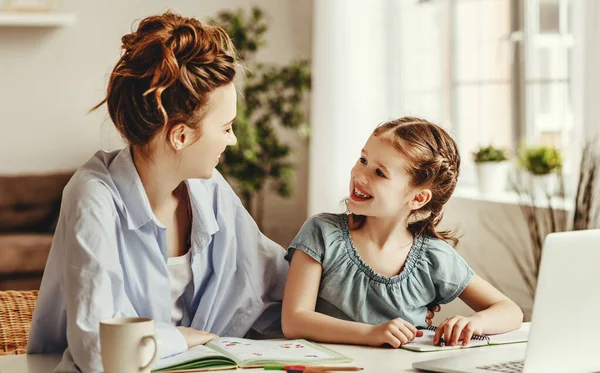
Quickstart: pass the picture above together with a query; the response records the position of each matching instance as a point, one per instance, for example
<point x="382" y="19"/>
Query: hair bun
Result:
<point x="184" y="43"/>
<point x="151" y="87"/>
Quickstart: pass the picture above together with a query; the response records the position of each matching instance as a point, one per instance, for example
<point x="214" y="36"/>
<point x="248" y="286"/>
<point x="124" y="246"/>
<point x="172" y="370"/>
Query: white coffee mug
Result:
<point x="128" y="345"/>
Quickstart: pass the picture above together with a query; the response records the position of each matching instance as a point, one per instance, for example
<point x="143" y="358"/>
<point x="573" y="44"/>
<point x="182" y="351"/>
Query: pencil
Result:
<point x="313" y="368"/>
<point x="441" y="342"/>
<point x="319" y="369"/>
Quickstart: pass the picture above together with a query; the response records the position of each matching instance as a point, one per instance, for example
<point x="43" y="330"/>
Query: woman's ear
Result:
<point x="178" y="136"/>
<point x="420" y="199"/>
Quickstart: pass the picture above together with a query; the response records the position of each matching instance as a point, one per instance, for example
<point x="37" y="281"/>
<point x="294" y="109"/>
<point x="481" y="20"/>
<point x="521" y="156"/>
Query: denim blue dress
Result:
<point x="350" y="289"/>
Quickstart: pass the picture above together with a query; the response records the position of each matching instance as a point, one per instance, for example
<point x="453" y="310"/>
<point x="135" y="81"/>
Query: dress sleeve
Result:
<point x="449" y="272"/>
<point x="309" y="240"/>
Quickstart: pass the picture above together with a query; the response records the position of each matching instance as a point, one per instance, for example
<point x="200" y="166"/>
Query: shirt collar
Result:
<point x="202" y="201"/>
<point x="137" y="206"/>
<point x="128" y="182"/>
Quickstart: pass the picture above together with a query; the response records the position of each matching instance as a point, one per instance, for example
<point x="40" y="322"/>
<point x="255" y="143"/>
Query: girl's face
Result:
<point x="202" y="156"/>
<point x="379" y="183"/>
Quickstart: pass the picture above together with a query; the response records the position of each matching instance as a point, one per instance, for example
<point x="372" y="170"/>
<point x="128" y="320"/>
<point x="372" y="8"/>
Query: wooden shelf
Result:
<point x="36" y="19"/>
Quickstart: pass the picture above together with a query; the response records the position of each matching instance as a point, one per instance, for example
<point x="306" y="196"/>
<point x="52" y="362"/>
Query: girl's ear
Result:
<point x="178" y="136"/>
<point x="420" y="199"/>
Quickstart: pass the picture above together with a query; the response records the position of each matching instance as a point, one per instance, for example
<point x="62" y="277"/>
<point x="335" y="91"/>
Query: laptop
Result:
<point x="565" y="323"/>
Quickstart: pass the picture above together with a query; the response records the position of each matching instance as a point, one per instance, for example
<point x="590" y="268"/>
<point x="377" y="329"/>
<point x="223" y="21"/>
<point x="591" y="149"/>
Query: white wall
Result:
<point x="50" y="77"/>
<point x="488" y="255"/>
<point x="349" y="95"/>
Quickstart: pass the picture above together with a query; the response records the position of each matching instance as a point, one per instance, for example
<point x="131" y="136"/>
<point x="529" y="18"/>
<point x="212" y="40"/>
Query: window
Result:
<point x="489" y="71"/>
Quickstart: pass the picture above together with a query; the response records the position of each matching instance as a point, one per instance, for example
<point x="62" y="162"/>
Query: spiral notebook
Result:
<point x="425" y="343"/>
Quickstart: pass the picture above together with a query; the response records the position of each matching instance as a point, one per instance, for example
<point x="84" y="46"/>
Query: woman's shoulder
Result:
<point x="91" y="186"/>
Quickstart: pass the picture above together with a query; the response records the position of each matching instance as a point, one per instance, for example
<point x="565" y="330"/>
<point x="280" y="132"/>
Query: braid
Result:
<point x="434" y="163"/>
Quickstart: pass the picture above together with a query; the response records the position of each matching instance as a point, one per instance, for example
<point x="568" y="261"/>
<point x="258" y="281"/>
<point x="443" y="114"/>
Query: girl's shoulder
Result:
<point x="320" y="237"/>
<point x="436" y="247"/>
<point x="325" y="224"/>
<point x="444" y="268"/>
<point x="440" y="258"/>
<point x="437" y="253"/>
<point x="328" y="218"/>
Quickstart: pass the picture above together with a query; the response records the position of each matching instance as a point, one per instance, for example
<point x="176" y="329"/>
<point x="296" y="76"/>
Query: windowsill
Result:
<point x="508" y="198"/>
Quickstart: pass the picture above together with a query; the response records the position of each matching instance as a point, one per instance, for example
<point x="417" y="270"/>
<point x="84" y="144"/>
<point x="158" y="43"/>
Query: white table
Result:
<point x="374" y="360"/>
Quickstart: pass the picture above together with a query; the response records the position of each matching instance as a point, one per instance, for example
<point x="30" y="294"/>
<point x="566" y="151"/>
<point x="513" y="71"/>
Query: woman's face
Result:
<point x="200" y="158"/>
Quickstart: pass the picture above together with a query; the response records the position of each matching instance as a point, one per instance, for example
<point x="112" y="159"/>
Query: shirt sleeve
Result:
<point x="449" y="272"/>
<point x="309" y="240"/>
<point x="250" y="263"/>
<point x="93" y="279"/>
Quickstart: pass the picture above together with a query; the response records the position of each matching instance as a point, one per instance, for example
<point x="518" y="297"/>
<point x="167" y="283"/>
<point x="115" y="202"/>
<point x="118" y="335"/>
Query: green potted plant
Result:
<point x="272" y="100"/>
<point x="542" y="163"/>
<point x="492" y="169"/>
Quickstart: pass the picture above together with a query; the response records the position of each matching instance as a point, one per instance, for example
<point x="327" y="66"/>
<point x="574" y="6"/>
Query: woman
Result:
<point x="155" y="218"/>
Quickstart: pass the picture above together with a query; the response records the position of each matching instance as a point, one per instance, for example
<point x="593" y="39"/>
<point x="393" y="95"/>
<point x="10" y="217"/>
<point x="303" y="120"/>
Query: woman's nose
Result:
<point x="232" y="140"/>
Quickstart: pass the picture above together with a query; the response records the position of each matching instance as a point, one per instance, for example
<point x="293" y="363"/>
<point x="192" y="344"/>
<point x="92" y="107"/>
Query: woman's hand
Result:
<point x="395" y="332"/>
<point x="431" y="313"/>
<point x="195" y="337"/>
<point x="458" y="328"/>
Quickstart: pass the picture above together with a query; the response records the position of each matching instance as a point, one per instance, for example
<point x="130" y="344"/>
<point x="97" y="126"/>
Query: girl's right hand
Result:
<point x="195" y="337"/>
<point x="395" y="332"/>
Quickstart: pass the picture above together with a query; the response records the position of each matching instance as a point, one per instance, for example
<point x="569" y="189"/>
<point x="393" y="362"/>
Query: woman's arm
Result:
<point x="494" y="314"/>
<point x="299" y="319"/>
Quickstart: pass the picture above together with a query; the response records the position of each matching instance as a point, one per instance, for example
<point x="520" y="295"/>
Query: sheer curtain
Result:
<point x="589" y="52"/>
<point x="360" y="78"/>
<point x="349" y="95"/>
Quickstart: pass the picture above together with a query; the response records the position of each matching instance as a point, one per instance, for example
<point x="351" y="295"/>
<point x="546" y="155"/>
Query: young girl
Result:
<point x="369" y="276"/>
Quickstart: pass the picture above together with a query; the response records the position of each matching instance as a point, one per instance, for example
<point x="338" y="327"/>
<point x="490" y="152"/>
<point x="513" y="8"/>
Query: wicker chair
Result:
<point x="16" y="310"/>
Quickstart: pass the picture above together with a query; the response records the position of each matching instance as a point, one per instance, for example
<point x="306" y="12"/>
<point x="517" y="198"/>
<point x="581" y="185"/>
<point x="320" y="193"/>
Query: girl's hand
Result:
<point x="458" y="328"/>
<point x="431" y="313"/>
<point x="395" y="332"/>
<point x="195" y="337"/>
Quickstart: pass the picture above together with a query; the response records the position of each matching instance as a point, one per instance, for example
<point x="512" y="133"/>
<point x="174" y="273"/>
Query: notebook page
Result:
<point x="194" y="353"/>
<point x="425" y="343"/>
<point x="519" y="335"/>
<point x="275" y="350"/>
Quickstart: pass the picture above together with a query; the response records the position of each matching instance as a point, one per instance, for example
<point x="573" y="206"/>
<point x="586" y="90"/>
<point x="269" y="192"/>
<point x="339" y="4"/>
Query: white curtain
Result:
<point x="591" y="112"/>
<point x="349" y="93"/>
<point x="586" y="66"/>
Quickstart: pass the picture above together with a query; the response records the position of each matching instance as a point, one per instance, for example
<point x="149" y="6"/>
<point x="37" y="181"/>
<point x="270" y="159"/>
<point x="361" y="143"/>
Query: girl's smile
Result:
<point x="359" y="194"/>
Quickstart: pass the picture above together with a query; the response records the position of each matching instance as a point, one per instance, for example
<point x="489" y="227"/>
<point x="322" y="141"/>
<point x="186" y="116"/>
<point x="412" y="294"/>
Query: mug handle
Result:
<point x="156" y="355"/>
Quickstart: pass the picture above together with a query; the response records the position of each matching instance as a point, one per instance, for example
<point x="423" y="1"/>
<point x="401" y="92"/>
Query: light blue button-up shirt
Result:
<point x="109" y="259"/>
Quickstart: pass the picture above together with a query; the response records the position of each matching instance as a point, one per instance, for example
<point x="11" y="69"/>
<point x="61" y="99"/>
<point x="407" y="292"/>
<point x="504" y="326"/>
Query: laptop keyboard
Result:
<point x="508" y="367"/>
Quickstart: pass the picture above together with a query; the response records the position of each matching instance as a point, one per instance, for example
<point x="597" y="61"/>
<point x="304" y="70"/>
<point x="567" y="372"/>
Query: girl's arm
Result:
<point x="494" y="314"/>
<point x="299" y="319"/>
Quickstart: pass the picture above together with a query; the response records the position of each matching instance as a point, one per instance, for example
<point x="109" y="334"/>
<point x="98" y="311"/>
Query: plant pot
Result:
<point x="543" y="185"/>
<point x="492" y="177"/>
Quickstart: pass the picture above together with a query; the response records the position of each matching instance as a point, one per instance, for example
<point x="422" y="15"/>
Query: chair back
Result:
<point x="16" y="311"/>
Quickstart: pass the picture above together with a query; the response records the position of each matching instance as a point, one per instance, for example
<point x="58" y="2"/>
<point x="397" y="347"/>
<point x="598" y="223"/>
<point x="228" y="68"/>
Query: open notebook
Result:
<point x="425" y="343"/>
<point x="228" y="353"/>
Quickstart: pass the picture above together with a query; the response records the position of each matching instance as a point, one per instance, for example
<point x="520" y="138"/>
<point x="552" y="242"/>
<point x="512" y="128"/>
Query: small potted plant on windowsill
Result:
<point x="492" y="169"/>
<point x="543" y="165"/>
